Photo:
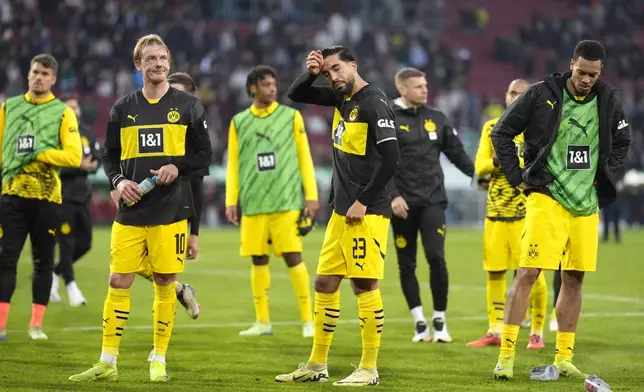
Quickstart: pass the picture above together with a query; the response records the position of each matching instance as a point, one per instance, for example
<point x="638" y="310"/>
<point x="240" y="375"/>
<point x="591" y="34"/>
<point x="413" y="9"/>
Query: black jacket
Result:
<point x="423" y="133"/>
<point x="537" y="113"/>
<point x="75" y="181"/>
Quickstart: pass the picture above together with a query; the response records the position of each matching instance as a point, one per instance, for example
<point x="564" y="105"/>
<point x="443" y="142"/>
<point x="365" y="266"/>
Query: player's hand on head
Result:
<point x="129" y="191"/>
<point x="313" y="206"/>
<point x="356" y="213"/>
<point x="166" y="174"/>
<point x="314" y="62"/>
<point x="193" y="247"/>
<point x="231" y="215"/>
<point x="400" y="207"/>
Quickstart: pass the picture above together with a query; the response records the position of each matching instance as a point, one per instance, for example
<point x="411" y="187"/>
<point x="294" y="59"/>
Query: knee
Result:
<point x="327" y="284"/>
<point x="260" y="260"/>
<point x="361" y="286"/>
<point x="436" y="259"/>
<point x="164" y="279"/>
<point x="121" y="281"/>
<point x="572" y="279"/>
<point x="527" y="276"/>
<point x="292" y="259"/>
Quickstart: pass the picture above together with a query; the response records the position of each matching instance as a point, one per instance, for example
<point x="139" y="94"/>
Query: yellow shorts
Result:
<point x="276" y="231"/>
<point x="355" y="251"/>
<point x="552" y="236"/>
<point x="501" y="244"/>
<point x="160" y="248"/>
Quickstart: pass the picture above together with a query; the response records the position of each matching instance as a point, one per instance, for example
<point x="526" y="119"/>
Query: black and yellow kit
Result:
<point x="143" y="136"/>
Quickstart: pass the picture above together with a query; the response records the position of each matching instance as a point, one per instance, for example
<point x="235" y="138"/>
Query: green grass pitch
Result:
<point x="208" y="354"/>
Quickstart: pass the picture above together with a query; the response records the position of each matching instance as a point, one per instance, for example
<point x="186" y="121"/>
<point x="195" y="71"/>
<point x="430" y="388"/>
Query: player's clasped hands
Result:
<point x="129" y="191"/>
<point x="356" y="213"/>
<point x="166" y="174"/>
<point x="314" y="62"/>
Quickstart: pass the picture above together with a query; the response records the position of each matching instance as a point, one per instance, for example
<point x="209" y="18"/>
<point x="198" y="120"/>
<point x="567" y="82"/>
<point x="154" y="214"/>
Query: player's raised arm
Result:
<point x="198" y="148"/>
<point x="302" y="89"/>
<point x="513" y="121"/>
<point x="381" y="119"/>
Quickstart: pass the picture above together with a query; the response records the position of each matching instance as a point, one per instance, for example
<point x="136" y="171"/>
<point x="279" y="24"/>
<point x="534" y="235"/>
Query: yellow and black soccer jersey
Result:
<point x="145" y="135"/>
<point x="504" y="202"/>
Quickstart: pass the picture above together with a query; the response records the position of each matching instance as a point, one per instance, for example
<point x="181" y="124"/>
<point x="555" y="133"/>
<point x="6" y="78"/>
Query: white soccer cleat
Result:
<point x="422" y="333"/>
<point x="554" y="326"/>
<point x="527" y="323"/>
<point x="188" y="300"/>
<point x="151" y="355"/>
<point x="305" y="373"/>
<point x="308" y="329"/>
<point x="257" y="329"/>
<point x="439" y="329"/>
<point x="54" y="296"/>
<point x="76" y="297"/>
<point x="36" y="333"/>
<point x="360" y="378"/>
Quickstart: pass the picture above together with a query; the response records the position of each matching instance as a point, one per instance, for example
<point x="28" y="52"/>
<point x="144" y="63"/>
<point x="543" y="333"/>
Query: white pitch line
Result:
<point x="297" y="323"/>
<point x="242" y="274"/>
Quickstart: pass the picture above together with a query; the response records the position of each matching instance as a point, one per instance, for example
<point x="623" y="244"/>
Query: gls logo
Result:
<point x="382" y="123"/>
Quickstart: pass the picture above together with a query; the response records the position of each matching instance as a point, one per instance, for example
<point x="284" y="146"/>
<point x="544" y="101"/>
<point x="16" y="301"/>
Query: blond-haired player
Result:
<point x="156" y="131"/>
<point x="504" y="221"/>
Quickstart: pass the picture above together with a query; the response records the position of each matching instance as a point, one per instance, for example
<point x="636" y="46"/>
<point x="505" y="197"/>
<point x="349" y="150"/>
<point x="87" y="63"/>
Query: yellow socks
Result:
<point x="371" y="318"/>
<point x="509" y="336"/>
<point x="299" y="276"/>
<point x="565" y="346"/>
<point x="165" y="305"/>
<point x="495" y="301"/>
<point x="260" y="281"/>
<point x="115" y="314"/>
<point x="325" y="317"/>
<point x="538" y="300"/>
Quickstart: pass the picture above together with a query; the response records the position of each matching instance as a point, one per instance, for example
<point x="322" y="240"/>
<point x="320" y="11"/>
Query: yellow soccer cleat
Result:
<point x="567" y="369"/>
<point x="157" y="372"/>
<point x="99" y="372"/>
<point x="504" y="369"/>
<point x="360" y="378"/>
<point x="305" y="373"/>
<point x="36" y="333"/>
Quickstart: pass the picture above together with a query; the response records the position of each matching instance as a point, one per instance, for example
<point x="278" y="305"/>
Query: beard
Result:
<point x="347" y="88"/>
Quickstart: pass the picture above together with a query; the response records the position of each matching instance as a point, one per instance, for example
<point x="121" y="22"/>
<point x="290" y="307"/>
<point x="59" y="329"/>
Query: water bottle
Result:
<point x="145" y="186"/>
<point x="544" y="373"/>
<point x="596" y="384"/>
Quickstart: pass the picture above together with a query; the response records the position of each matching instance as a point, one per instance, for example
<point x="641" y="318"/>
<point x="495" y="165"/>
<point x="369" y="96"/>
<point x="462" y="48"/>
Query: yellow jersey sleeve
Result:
<point x="307" y="171"/>
<point x="232" y="168"/>
<point x="71" y="153"/>
<point x="2" y="117"/>
<point x="483" y="164"/>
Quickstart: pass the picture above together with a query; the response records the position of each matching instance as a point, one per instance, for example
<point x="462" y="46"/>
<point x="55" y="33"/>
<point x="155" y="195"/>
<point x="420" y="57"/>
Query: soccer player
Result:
<point x="38" y="134"/>
<point x="156" y="131"/>
<point x="365" y="155"/>
<point x="419" y="198"/>
<point x="576" y="142"/>
<point x="269" y="163"/>
<point x="193" y="191"/>
<point x="502" y="235"/>
<point x="75" y="231"/>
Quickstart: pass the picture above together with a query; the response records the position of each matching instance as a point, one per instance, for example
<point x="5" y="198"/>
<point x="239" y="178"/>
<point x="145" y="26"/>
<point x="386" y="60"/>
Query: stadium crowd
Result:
<point x="92" y="41"/>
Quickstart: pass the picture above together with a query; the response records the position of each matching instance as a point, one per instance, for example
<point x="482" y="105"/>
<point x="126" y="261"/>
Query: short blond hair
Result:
<point x="150" y="39"/>
<point x="406" y="73"/>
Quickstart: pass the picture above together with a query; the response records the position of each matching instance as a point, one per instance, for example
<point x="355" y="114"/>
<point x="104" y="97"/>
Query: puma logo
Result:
<point x="552" y="104"/>
<point x="383" y="101"/>
<point x="576" y="123"/>
<point x="166" y="324"/>
<point x="179" y="259"/>
<point x="131" y="117"/>
<point x="105" y="320"/>
<point x="362" y="319"/>
<point x="262" y="136"/>
<point x="360" y="265"/>
<point x="51" y="231"/>
<point x="404" y="128"/>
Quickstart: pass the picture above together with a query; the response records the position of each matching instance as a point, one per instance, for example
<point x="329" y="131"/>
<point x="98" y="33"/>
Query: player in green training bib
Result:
<point x="576" y="142"/>
<point x="270" y="175"/>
